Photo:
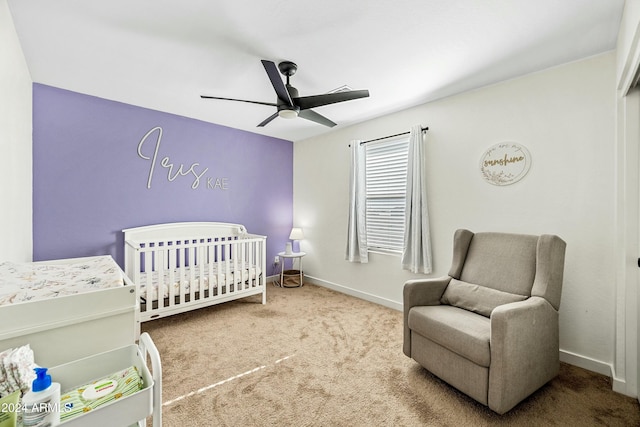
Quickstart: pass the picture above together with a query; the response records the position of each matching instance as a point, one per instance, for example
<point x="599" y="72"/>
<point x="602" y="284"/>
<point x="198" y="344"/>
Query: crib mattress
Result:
<point x="23" y="282"/>
<point x="182" y="283"/>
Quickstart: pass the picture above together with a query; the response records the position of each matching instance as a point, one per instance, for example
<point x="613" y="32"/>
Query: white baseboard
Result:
<point x="565" y="356"/>
<point x="355" y="293"/>
<point x="586" y="363"/>
<point x="620" y="385"/>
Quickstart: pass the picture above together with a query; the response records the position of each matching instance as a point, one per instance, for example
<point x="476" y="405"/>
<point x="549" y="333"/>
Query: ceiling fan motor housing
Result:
<point x="293" y="92"/>
<point x="285" y="110"/>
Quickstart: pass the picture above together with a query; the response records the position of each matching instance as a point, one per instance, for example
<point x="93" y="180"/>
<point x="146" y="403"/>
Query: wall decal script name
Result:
<point x="194" y="169"/>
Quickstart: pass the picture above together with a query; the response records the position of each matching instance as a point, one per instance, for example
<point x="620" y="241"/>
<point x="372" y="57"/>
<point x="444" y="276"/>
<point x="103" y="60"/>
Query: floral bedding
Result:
<point x="23" y="282"/>
<point x="181" y="284"/>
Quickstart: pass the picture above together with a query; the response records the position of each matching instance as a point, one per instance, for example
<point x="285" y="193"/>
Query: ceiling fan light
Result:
<point x="288" y="114"/>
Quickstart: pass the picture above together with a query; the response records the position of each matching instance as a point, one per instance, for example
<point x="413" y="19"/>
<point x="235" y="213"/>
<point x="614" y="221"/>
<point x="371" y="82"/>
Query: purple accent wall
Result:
<point x="92" y="166"/>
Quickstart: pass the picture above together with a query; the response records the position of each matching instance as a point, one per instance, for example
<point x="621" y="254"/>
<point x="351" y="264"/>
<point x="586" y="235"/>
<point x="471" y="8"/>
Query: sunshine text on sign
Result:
<point x="504" y="161"/>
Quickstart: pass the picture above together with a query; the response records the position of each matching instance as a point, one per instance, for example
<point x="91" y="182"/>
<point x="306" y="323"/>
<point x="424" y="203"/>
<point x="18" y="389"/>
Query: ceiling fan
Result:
<point x="289" y="104"/>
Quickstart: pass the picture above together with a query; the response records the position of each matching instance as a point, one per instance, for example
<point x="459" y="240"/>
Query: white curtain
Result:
<point x="357" y="250"/>
<point x="416" y="256"/>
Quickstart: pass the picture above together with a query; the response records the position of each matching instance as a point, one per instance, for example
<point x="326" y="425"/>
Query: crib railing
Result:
<point x="195" y="272"/>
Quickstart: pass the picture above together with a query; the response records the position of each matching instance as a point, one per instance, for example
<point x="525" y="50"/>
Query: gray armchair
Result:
<point x="490" y="328"/>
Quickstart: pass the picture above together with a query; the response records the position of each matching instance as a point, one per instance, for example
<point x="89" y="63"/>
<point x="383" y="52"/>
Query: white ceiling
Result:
<point x="163" y="54"/>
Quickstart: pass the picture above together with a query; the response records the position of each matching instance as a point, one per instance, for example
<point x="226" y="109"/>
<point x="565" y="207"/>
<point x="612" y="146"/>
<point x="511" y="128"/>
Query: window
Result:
<point x="385" y="188"/>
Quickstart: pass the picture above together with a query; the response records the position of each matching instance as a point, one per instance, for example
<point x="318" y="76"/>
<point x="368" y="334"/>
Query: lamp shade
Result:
<point x="296" y="234"/>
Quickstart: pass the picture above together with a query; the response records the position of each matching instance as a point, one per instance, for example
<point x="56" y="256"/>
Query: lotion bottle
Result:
<point x="41" y="405"/>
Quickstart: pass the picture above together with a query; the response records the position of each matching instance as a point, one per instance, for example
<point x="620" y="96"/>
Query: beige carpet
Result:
<point x="314" y="357"/>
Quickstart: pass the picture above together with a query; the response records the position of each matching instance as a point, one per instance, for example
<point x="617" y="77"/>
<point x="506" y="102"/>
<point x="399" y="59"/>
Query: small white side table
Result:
<point x="283" y="257"/>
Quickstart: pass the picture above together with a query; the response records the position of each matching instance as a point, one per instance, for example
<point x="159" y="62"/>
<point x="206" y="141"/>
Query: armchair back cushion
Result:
<point x="476" y="298"/>
<point x="491" y="269"/>
<point x="546" y="269"/>
<point x="505" y="262"/>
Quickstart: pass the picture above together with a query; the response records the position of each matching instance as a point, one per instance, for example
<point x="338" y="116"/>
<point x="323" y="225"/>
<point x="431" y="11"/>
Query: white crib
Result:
<point x="182" y="266"/>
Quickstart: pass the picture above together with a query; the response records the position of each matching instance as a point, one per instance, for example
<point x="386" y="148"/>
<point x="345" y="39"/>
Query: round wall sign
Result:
<point x="505" y="163"/>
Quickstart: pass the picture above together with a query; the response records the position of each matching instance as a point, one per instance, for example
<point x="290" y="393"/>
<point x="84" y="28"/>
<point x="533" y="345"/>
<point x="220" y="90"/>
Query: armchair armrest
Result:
<point x="525" y="351"/>
<point x="420" y="292"/>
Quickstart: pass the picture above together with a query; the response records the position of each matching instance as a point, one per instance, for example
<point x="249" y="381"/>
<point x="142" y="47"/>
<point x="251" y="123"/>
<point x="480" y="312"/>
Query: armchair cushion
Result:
<point x="476" y="298"/>
<point x="506" y="262"/>
<point x="458" y="330"/>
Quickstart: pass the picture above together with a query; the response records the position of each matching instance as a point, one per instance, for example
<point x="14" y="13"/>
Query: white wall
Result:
<point x="626" y="375"/>
<point x="15" y="145"/>
<point x="565" y="116"/>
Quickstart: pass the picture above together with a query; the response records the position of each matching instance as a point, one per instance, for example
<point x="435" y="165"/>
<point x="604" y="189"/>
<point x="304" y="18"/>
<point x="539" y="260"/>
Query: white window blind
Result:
<point x="386" y="180"/>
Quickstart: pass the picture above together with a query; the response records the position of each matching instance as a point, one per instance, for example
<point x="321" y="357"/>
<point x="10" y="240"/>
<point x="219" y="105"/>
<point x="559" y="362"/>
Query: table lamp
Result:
<point x="296" y="234"/>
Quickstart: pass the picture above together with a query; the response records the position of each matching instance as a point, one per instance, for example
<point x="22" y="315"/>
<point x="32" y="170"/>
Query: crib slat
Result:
<point x="148" y="269"/>
<point x="228" y="280"/>
<point x="243" y="263"/>
<point x="171" y="266"/>
<point x="219" y="267"/>
<point x="181" y="270"/>
<point x="191" y="272"/>
<point x="244" y="266"/>
<point x="251" y="262"/>
<point x="200" y="265"/>
<point x="159" y="272"/>
<point x="210" y="259"/>
<point x="234" y="267"/>
<point x="237" y="271"/>
<point x="254" y="263"/>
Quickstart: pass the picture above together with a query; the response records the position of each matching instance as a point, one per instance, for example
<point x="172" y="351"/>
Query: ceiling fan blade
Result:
<point x="268" y="119"/>
<point x="305" y="102"/>
<point x="315" y="117"/>
<point x="239" y="100"/>
<point x="276" y="82"/>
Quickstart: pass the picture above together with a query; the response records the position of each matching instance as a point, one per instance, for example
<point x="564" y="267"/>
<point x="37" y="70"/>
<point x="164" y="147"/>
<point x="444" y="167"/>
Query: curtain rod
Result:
<point x="391" y="136"/>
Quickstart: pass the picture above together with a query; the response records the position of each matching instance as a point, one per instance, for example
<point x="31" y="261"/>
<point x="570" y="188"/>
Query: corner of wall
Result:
<point x="15" y="144"/>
